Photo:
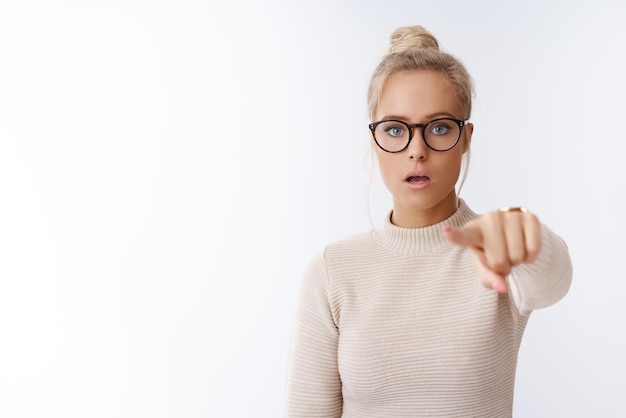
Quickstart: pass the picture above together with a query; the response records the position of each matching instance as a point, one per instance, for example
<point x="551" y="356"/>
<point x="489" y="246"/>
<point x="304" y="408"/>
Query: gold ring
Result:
<point x="513" y="209"/>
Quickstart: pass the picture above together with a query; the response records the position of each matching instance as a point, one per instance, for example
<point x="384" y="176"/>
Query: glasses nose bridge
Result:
<point x="412" y="128"/>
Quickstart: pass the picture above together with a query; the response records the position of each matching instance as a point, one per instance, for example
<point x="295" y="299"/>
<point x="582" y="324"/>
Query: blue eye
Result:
<point x="394" y="130"/>
<point x="440" y="129"/>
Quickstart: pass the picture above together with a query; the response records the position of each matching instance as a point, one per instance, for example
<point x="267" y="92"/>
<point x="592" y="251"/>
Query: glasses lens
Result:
<point x="442" y="134"/>
<point x="392" y="135"/>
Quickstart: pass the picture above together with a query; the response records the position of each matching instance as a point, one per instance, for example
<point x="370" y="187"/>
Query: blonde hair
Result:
<point x="413" y="48"/>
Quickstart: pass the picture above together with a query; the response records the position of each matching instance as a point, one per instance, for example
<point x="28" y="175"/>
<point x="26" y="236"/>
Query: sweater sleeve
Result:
<point x="313" y="382"/>
<point x="546" y="280"/>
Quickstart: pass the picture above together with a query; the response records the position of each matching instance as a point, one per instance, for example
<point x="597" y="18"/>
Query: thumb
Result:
<point x="490" y="278"/>
<point x="466" y="236"/>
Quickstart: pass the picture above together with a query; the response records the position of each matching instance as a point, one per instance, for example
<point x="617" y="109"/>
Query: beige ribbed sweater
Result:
<point x="396" y="323"/>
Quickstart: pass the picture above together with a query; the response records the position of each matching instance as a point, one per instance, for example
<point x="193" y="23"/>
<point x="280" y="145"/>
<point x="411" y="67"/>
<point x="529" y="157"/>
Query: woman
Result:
<point x="423" y="316"/>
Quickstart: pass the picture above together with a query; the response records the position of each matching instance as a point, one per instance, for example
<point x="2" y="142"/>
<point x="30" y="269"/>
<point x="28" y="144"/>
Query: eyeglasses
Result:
<point x="439" y="134"/>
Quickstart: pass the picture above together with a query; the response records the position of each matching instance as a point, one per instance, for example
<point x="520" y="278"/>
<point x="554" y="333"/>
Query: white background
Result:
<point x="167" y="168"/>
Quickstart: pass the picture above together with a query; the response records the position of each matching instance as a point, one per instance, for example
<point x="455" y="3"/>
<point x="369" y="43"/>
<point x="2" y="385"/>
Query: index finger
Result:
<point x="469" y="235"/>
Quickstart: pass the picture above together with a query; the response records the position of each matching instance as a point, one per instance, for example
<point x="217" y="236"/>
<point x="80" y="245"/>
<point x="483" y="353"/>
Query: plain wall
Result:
<point x="168" y="168"/>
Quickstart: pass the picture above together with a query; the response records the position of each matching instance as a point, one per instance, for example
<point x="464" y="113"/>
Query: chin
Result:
<point x="421" y="203"/>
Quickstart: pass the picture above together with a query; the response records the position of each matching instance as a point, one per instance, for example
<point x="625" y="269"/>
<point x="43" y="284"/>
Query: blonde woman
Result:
<point x="423" y="316"/>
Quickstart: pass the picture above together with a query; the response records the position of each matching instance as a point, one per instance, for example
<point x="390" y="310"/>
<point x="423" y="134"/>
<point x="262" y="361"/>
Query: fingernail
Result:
<point x="498" y="286"/>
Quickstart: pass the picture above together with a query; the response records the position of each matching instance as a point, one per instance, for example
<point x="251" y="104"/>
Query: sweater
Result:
<point x="396" y="323"/>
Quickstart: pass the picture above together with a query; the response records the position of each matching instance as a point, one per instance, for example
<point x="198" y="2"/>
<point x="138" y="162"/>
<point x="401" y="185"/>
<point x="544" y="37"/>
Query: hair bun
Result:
<point x="411" y="37"/>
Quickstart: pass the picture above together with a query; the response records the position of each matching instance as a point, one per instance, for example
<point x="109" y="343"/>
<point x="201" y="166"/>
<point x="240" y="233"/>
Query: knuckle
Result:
<point x="494" y="217"/>
<point x="500" y="265"/>
<point x="533" y="218"/>
<point x="533" y="251"/>
<point x="517" y="257"/>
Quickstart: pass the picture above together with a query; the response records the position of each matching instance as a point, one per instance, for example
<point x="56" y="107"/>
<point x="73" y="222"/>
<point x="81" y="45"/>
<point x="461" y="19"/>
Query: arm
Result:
<point x="544" y="281"/>
<point x="313" y="382"/>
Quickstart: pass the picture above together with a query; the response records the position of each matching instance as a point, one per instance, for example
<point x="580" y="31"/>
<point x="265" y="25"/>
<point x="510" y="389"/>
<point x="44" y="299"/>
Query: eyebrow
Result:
<point x="428" y="117"/>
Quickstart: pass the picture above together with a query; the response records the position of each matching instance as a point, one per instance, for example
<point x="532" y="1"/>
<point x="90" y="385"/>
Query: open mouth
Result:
<point x="417" y="179"/>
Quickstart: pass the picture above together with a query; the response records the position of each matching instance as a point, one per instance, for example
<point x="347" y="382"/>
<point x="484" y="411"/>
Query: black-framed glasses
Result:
<point x="439" y="134"/>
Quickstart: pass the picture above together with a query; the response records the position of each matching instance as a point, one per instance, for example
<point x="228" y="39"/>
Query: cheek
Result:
<point x="454" y="163"/>
<point x="386" y="166"/>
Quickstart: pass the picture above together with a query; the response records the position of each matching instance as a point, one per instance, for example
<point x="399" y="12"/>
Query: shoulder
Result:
<point x="350" y="247"/>
<point x="343" y="251"/>
<point x="352" y="242"/>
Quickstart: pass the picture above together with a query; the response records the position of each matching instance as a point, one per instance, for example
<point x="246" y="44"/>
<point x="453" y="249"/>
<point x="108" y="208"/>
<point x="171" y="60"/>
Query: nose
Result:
<point x="417" y="150"/>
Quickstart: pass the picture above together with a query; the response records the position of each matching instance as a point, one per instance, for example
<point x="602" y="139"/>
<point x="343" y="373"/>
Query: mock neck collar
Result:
<point x="420" y="240"/>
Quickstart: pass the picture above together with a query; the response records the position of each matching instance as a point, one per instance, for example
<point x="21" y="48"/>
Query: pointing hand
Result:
<point x="499" y="240"/>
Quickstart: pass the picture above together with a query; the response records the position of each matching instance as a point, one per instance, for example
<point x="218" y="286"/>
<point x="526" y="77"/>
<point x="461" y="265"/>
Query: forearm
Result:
<point x="546" y="280"/>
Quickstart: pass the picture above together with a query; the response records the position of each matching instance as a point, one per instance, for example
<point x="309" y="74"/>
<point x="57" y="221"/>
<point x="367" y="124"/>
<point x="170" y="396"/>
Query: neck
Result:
<point x="419" y="217"/>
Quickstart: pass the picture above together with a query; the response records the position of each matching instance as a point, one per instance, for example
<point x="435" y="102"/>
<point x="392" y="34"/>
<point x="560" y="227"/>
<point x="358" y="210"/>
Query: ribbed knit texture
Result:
<point x="396" y="323"/>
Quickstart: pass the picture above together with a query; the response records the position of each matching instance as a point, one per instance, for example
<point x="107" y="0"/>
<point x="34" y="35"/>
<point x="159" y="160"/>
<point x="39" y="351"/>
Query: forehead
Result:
<point x="418" y="95"/>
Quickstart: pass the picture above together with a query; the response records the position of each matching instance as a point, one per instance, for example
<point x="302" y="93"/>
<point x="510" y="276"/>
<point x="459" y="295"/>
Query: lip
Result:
<point x="419" y="185"/>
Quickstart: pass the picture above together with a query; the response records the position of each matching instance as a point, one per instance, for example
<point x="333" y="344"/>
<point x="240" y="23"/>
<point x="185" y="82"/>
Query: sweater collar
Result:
<point x="420" y="240"/>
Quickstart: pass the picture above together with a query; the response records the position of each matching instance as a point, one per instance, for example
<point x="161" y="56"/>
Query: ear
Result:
<point x="467" y="133"/>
